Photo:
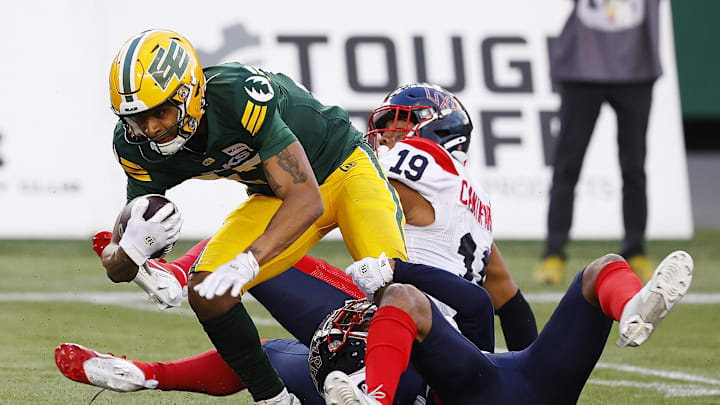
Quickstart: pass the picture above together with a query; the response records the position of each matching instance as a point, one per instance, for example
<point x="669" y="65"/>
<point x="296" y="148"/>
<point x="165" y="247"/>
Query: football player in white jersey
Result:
<point x="422" y="133"/>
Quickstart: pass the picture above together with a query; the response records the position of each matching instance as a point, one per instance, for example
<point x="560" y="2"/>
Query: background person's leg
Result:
<point x="632" y="105"/>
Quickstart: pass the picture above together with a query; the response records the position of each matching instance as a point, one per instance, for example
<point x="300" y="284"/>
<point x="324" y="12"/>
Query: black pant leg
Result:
<point x="579" y="109"/>
<point x="631" y="103"/>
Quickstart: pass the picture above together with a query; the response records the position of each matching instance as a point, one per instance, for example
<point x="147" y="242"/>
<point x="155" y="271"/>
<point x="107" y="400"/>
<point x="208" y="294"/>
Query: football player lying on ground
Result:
<point x="407" y="327"/>
<point x="299" y="299"/>
<point x="606" y="290"/>
<point x="422" y="133"/>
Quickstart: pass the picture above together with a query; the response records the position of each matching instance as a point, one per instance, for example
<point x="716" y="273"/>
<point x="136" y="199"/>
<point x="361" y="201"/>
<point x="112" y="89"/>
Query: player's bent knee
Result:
<point x="592" y="271"/>
<point x="602" y="261"/>
<point x="204" y="308"/>
<point x="413" y="302"/>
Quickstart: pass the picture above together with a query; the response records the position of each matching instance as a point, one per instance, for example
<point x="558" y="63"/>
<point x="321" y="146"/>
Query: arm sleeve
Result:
<point x="256" y="103"/>
<point x="274" y="137"/>
<point x="447" y="287"/>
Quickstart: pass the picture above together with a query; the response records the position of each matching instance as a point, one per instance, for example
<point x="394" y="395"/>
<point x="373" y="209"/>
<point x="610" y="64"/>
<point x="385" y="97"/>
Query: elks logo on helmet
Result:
<point x="424" y="110"/>
<point x="259" y="88"/>
<point x="168" y="63"/>
<point x="444" y="101"/>
<point x="152" y="68"/>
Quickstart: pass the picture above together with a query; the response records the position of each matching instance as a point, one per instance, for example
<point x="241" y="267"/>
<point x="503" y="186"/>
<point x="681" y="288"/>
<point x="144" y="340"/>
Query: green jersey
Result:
<point x="251" y="115"/>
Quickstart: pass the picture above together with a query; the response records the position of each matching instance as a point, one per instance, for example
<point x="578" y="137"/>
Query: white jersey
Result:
<point x="460" y="238"/>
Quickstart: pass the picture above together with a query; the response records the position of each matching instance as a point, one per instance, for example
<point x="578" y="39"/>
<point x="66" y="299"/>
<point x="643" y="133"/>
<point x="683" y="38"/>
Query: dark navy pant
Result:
<point x="552" y="370"/>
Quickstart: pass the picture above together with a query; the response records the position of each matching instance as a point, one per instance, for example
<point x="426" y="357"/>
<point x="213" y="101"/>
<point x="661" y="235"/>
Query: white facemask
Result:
<point x="170" y="147"/>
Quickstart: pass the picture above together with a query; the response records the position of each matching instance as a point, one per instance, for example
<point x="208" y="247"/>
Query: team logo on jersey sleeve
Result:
<point x="347" y="166"/>
<point x="259" y="89"/>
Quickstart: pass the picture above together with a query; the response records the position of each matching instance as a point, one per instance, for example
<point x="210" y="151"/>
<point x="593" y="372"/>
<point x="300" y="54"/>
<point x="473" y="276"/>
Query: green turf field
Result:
<point x="56" y="291"/>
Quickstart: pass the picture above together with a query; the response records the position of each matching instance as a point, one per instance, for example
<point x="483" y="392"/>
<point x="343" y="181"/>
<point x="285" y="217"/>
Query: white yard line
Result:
<point x="672" y="375"/>
<point x="134" y="300"/>
<point x="670" y="390"/>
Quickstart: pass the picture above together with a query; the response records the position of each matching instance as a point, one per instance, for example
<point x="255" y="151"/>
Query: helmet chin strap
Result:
<point x="170" y="147"/>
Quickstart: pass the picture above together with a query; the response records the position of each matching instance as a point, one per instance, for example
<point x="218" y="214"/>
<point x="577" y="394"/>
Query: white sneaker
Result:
<point x="651" y="304"/>
<point x="283" y="398"/>
<point x="340" y="390"/>
<point x="87" y="366"/>
<point x="161" y="285"/>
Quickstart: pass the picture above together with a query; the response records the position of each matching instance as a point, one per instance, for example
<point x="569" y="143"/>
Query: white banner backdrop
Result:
<point x="58" y="177"/>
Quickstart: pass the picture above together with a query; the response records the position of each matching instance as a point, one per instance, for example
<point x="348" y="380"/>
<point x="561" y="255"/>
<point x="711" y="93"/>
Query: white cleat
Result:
<point x="341" y="390"/>
<point x="651" y="304"/>
<point x="161" y="286"/>
<point x="283" y="398"/>
<point x="87" y="366"/>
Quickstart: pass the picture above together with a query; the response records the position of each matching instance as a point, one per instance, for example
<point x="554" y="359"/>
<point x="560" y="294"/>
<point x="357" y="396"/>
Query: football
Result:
<point x="155" y="202"/>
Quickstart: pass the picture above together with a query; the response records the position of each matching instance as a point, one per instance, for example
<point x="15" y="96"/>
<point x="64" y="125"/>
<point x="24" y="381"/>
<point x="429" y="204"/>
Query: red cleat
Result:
<point x="81" y="364"/>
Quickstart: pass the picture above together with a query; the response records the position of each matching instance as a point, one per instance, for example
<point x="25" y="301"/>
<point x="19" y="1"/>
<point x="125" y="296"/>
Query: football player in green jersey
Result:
<point x="306" y="168"/>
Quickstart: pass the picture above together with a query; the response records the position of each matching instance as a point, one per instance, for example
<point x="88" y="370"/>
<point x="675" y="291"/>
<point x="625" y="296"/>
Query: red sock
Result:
<point x="180" y="274"/>
<point x="187" y="260"/>
<point x="180" y="268"/>
<point x="614" y="286"/>
<point x="205" y="373"/>
<point x="390" y="338"/>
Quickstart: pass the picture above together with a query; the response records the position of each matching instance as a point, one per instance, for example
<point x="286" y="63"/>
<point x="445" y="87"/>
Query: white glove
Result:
<point x="370" y="274"/>
<point x="283" y="398"/>
<point x="162" y="287"/>
<point x="235" y="273"/>
<point x="142" y="238"/>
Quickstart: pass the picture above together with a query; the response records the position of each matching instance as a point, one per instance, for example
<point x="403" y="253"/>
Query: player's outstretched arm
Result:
<point x="292" y="179"/>
<point x="458" y="293"/>
<point x="498" y="282"/>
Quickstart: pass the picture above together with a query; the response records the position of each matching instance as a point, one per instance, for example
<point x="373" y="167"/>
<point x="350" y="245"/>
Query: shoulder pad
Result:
<point x="438" y="153"/>
<point x="255" y="97"/>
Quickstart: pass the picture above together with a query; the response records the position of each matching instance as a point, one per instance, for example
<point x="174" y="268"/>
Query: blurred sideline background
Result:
<point x="699" y="76"/>
<point x="58" y="178"/>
